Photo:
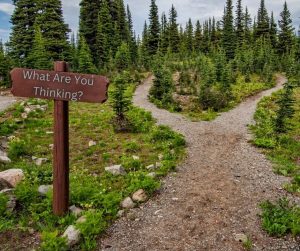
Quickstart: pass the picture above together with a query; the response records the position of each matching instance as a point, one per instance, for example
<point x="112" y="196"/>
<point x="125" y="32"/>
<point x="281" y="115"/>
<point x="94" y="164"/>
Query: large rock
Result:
<point x="127" y="203"/>
<point x="12" y="176"/>
<point x="140" y="196"/>
<point x="116" y="170"/>
<point x="73" y="235"/>
<point x="4" y="185"/>
<point x="4" y="159"/>
<point x="44" y="189"/>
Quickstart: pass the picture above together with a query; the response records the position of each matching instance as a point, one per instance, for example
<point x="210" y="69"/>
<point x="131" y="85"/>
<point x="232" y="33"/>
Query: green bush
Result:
<point x="17" y="148"/>
<point x="280" y="218"/>
<point x="93" y="226"/>
<point x="3" y="203"/>
<point x="52" y="242"/>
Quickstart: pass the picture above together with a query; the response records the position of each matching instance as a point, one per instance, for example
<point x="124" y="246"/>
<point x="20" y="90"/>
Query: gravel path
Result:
<point x="5" y="102"/>
<point x="213" y="196"/>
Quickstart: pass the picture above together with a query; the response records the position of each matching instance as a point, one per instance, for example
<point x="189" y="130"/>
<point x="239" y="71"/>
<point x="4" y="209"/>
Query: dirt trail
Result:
<point x="215" y="193"/>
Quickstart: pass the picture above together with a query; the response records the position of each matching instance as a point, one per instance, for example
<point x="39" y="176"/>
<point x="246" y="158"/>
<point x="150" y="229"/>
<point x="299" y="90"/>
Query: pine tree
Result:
<point x="286" y="109"/>
<point x="262" y="26"/>
<point x="54" y="30"/>
<point x="21" y="38"/>
<point x="144" y="47"/>
<point x="189" y="36"/>
<point x="122" y="59"/>
<point x="74" y="53"/>
<point x="4" y="67"/>
<point x="273" y="31"/>
<point x="286" y="30"/>
<point x="89" y="11"/>
<point x="214" y="35"/>
<point x="85" y="61"/>
<point x="122" y="22"/>
<point x="205" y="44"/>
<point x="121" y="103"/>
<point x="133" y="47"/>
<point x="174" y="39"/>
<point x="239" y="23"/>
<point x="247" y="25"/>
<point x="164" y="38"/>
<point x="229" y="39"/>
<point x="104" y="33"/>
<point x="198" y="37"/>
<point x="154" y="29"/>
<point x="39" y="57"/>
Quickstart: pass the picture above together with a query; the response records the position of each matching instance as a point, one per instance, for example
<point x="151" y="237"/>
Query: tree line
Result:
<point x="106" y="40"/>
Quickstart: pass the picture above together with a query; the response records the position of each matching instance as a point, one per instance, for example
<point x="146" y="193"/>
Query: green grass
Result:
<point x="283" y="150"/>
<point x="91" y="188"/>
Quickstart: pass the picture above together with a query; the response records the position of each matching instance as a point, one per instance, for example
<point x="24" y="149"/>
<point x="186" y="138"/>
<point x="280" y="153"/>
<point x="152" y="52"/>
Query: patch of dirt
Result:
<point x="18" y="241"/>
<point x="215" y="193"/>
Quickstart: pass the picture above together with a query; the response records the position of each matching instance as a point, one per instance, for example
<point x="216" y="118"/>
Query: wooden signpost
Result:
<point x="61" y="86"/>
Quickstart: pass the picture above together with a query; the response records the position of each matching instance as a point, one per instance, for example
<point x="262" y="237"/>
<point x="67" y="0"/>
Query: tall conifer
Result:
<point x="229" y="38"/>
<point x="154" y="29"/>
<point x="174" y="39"/>
<point x="286" y="30"/>
<point x="262" y="25"/>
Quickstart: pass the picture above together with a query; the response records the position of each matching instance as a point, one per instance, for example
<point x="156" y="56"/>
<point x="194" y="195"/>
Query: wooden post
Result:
<point x="61" y="152"/>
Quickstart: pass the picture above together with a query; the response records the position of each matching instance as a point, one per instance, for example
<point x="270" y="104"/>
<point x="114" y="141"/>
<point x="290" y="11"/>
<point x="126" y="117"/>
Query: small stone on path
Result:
<point x="140" y="196"/>
<point x="127" y="203"/>
<point x="241" y="238"/>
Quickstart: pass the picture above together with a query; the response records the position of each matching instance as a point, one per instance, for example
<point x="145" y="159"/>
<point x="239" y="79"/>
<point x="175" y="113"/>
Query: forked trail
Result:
<point x="215" y="193"/>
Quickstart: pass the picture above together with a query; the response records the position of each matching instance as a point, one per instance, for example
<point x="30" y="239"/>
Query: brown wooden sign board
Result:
<point x="61" y="86"/>
<point x="56" y="85"/>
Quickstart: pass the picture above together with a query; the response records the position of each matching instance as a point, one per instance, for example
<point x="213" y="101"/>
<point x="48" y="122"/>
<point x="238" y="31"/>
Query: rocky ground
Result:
<point x="211" y="202"/>
<point x="5" y="102"/>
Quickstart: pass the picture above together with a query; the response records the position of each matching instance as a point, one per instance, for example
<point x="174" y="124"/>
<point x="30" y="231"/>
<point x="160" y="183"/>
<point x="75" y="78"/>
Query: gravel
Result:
<point x="5" y="102"/>
<point x="217" y="188"/>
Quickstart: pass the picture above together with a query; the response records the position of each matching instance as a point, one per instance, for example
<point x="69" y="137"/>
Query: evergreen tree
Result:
<point x="104" y="34"/>
<point x="262" y="26"/>
<point x="247" y="26"/>
<point x="239" y="23"/>
<point x="89" y="11"/>
<point x="229" y="38"/>
<point x="133" y="47"/>
<point x="144" y="47"/>
<point x="85" y="60"/>
<point x="122" y="22"/>
<point x="286" y="30"/>
<point x="54" y="30"/>
<point x="286" y="109"/>
<point x="174" y="39"/>
<point x="38" y="57"/>
<point x="213" y="36"/>
<point x="121" y="103"/>
<point x="21" y="38"/>
<point x="205" y="44"/>
<point x="198" y="37"/>
<point x="189" y="36"/>
<point x="4" y="68"/>
<point x="164" y="38"/>
<point x="74" y="53"/>
<point x="273" y="31"/>
<point x="154" y="29"/>
<point x="122" y="59"/>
